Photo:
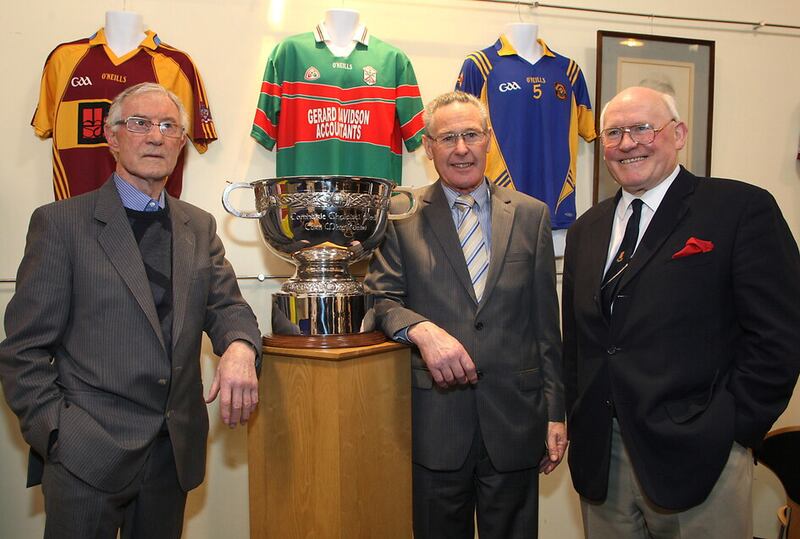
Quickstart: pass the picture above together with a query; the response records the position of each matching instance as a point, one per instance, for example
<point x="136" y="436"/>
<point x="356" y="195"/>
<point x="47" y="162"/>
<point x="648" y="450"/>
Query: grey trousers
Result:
<point x="627" y="513"/>
<point x="150" y="507"/>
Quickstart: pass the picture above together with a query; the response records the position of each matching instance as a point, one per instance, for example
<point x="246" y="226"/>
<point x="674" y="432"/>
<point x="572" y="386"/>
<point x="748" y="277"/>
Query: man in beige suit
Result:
<point x="101" y="360"/>
<point x="487" y="396"/>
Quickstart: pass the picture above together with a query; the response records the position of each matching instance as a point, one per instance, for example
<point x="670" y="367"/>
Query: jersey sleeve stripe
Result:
<point x="60" y="184"/>
<point x="482" y="62"/>
<point x="208" y="131"/>
<point x="573" y="72"/>
<point x="263" y="122"/>
<point x="475" y="60"/>
<point x="270" y="88"/>
<point x="408" y="90"/>
<point x="412" y="127"/>
<point x="486" y="61"/>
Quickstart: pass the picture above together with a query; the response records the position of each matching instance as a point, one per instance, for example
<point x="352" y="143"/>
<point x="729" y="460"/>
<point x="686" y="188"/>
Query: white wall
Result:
<point x="756" y="129"/>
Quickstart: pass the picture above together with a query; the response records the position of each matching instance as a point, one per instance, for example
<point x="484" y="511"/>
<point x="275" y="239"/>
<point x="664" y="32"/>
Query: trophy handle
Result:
<point x="233" y="211"/>
<point x="407" y="191"/>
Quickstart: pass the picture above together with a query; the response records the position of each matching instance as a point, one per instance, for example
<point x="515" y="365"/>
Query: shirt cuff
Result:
<point x="401" y="336"/>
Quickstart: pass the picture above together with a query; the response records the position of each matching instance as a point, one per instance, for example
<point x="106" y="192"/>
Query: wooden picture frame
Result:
<point x="678" y="66"/>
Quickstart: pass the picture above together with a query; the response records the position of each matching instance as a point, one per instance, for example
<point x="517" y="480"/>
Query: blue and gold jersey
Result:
<point x="536" y="112"/>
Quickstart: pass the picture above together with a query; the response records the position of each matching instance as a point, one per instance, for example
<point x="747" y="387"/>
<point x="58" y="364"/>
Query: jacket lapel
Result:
<point x="438" y="214"/>
<point x="670" y="212"/>
<point x="117" y="241"/>
<point x="183" y="246"/>
<point x="502" y="221"/>
<point x="596" y="252"/>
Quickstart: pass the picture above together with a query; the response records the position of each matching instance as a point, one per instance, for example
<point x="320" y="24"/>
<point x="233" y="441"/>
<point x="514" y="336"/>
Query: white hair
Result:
<point x="669" y="102"/>
<point x="115" y="110"/>
<point x="448" y="99"/>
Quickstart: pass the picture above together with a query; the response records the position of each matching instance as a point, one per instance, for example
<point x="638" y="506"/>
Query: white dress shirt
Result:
<point x="650" y="201"/>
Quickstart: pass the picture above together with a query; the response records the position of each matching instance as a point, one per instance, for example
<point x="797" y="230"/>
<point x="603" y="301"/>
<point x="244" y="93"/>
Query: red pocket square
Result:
<point x="694" y="246"/>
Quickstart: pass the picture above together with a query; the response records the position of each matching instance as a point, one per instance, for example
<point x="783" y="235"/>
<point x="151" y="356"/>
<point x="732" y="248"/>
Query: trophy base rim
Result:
<point x="343" y="340"/>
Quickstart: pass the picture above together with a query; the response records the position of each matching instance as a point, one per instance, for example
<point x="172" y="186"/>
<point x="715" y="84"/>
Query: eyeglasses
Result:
<point x="135" y="124"/>
<point x="640" y="134"/>
<point x="450" y="140"/>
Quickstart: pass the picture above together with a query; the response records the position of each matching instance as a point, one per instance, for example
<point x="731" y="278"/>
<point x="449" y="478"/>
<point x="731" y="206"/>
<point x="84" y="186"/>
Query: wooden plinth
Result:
<point x="330" y="445"/>
<point x="348" y="340"/>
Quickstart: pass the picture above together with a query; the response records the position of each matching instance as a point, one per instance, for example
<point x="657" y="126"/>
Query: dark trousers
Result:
<point x="150" y="507"/>
<point x="445" y="503"/>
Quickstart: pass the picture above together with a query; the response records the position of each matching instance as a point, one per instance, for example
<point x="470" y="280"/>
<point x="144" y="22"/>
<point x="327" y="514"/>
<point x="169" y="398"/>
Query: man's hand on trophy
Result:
<point x="446" y="359"/>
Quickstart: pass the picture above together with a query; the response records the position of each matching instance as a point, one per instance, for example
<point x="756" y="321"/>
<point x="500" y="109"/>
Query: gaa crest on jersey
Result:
<point x="91" y="116"/>
<point x="370" y="75"/>
<point x="561" y="91"/>
<point x="80" y="81"/>
<point x="312" y="73"/>
<point x="205" y="114"/>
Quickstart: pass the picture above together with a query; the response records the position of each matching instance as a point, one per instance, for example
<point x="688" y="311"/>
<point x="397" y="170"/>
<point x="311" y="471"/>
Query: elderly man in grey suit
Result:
<point x="469" y="280"/>
<point x="101" y="360"/>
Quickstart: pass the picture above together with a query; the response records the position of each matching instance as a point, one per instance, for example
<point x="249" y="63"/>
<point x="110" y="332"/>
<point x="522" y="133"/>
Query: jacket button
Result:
<point x="479" y="326"/>
<point x="169" y="414"/>
<point x="162" y="381"/>
<point x="612" y="350"/>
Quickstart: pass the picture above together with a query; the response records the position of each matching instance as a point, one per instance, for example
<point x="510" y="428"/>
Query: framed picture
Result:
<point x="683" y="68"/>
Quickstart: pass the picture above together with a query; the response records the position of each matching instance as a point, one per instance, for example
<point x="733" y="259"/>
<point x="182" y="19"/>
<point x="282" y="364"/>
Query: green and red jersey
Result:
<point x="338" y="115"/>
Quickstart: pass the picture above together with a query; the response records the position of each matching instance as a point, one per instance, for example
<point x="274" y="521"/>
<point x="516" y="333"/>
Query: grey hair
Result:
<point x="448" y="99"/>
<point x="115" y="111"/>
<point x="669" y="102"/>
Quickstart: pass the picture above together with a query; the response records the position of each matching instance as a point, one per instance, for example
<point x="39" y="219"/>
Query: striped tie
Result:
<point x="472" y="243"/>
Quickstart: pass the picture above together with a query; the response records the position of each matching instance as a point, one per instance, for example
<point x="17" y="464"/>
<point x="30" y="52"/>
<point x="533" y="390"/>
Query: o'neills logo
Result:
<point x="561" y="91"/>
<point x="370" y="75"/>
<point x="312" y="73"/>
<point x="115" y="77"/>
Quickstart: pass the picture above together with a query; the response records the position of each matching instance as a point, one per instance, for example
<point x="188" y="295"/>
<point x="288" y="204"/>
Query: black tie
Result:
<point x="611" y="280"/>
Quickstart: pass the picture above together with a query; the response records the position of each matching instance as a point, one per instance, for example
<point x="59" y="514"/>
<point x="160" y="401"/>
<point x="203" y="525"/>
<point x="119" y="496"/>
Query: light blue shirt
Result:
<point x="133" y="199"/>
<point x="483" y="208"/>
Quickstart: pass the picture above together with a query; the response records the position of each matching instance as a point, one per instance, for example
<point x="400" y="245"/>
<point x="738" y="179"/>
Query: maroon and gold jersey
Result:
<point x="80" y="80"/>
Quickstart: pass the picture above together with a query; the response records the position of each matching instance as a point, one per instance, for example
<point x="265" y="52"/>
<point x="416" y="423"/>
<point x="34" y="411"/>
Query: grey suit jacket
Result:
<point x="84" y="353"/>
<point x="512" y="335"/>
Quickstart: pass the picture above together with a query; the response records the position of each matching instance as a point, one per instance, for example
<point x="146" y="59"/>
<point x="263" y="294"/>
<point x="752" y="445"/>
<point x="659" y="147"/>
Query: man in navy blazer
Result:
<point x="696" y="351"/>
<point x="101" y="360"/>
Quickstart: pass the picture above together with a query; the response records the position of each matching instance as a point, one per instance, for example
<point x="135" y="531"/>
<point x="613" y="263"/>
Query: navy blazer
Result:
<point x="700" y="351"/>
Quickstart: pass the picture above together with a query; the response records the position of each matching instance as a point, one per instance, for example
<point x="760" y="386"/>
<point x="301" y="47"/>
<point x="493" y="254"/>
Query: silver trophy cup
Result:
<point x="322" y="224"/>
